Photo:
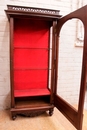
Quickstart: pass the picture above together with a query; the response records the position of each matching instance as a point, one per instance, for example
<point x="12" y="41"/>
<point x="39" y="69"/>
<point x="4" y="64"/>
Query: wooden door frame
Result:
<point x="73" y="115"/>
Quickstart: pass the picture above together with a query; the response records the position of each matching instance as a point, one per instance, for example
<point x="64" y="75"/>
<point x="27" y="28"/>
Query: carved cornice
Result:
<point x="18" y="11"/>
<point x="30" y="9"/>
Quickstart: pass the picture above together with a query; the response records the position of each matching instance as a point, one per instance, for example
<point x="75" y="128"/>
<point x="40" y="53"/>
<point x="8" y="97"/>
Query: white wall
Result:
<point x="70" y="62"/>
<point x="65" y="7"/>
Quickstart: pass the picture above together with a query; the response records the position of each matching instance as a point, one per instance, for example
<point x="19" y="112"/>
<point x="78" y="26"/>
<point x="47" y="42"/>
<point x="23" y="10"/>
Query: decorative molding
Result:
<point x="35" y="10"/>
<point x="13" y="10"/>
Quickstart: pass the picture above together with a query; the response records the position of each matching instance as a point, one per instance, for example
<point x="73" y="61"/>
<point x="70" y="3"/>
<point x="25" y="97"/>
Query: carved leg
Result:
<point x="51" y="111"/>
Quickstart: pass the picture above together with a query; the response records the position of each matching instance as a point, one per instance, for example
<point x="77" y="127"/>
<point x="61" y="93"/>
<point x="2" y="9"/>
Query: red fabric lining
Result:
<point x="30" y="79"/>
<point x="31" y="33"/>
<point x="30" y="58"/>
<point x="31" y="92"/>
<point x="28" y="35"/>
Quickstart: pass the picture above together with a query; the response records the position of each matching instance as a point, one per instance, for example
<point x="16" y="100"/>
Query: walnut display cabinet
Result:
<point x="34" y="48"/>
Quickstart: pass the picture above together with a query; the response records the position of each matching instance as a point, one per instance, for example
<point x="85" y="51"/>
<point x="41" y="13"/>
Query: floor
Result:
<point x="42" y="122"/>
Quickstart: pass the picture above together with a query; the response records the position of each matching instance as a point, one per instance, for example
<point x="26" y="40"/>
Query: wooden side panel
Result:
<point x="11" y="61"/>
<point x="53" y="62"/>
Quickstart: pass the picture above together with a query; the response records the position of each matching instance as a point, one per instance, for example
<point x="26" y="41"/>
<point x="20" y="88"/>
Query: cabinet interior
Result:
<point x="31" y="54"/>
<point x="32" y="102"/>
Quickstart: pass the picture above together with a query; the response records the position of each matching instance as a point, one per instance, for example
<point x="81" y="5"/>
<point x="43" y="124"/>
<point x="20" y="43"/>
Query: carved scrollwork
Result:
<point x="32" y="114"/>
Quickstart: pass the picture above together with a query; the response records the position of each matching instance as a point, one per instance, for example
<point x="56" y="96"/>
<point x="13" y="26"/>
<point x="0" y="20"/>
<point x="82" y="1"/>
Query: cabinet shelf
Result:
<point x="31" y="69"/>
<point x="32" y="48"/>
<point x="31" y="92"/>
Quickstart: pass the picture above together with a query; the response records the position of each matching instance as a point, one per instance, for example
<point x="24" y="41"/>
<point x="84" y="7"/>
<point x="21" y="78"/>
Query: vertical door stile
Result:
<point x="53" y="63"/>
<point x="83" y="75"/>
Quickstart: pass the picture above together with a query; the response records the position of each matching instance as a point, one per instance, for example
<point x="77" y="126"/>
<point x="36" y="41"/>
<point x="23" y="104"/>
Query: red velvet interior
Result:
<point x="30" y="79"/>
<point x="30" y="56"/>
<point x="31" y="33"/>
<point x="31" y="92"/>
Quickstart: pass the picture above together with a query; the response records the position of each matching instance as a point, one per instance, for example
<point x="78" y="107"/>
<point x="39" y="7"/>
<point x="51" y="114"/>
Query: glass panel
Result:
<point x="70" y="61"/>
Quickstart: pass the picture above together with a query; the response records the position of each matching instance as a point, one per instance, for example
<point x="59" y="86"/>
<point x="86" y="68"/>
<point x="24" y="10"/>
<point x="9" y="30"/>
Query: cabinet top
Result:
<point x="13" y="11"/>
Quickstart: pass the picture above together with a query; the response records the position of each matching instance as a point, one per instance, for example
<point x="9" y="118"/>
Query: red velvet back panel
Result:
<point x="31" y="58"/>
<point x="30" y="79"/>
<point x="30" y="54"/>
<point x="31" y="33"/>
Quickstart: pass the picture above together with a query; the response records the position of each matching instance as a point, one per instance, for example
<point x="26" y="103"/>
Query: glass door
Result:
<point x="75" y="116"/>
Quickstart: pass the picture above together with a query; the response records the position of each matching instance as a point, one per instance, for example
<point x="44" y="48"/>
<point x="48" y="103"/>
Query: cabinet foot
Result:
<point x="51" y="112"/>
<point x="14" y="117"/>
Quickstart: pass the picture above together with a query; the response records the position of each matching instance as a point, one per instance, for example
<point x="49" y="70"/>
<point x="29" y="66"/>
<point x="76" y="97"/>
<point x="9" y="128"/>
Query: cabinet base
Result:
<point x="29" y="112"/>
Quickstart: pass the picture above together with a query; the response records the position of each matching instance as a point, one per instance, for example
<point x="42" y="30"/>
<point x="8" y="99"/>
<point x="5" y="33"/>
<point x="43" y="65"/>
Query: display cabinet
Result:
<point x="34" y="44"/>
